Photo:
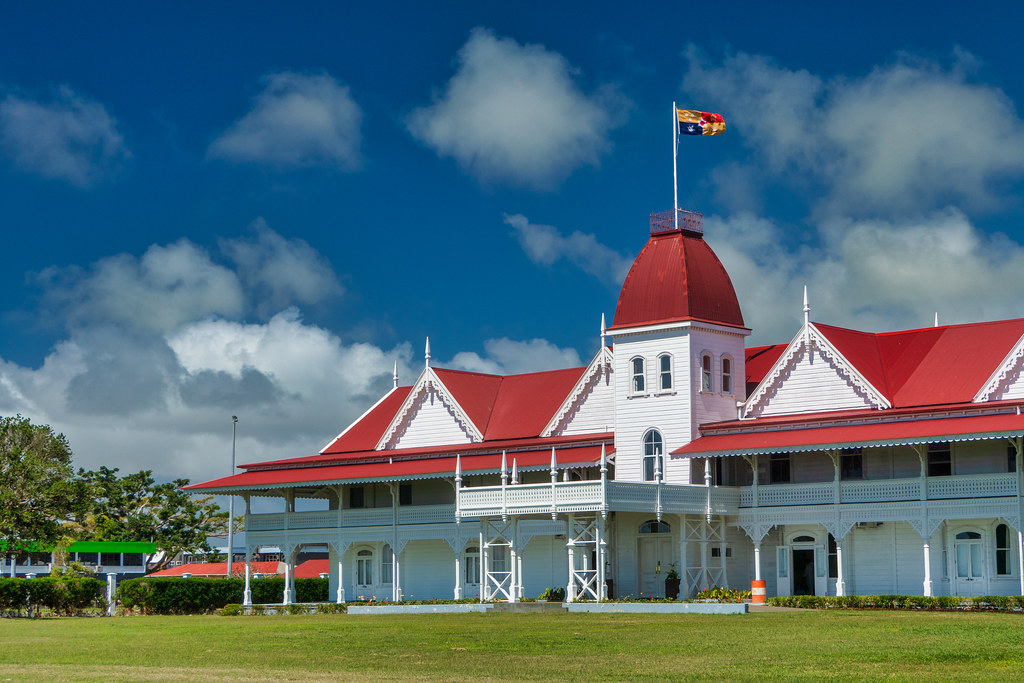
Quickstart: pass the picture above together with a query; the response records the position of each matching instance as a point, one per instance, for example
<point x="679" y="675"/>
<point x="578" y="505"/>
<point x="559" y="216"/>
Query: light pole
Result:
<point x="231" y="499"/>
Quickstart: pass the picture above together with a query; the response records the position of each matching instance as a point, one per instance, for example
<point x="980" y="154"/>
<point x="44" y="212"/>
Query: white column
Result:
<point x="111" y="591"/>
<point x="840" y="582"/>
<point x="602" y="589"/>
<point x="485" y="589"/>
<point x="1020" y="558"/>
<point x="288" y="578"/>
<point x="340" y="598"/>
<point x="570" y="548"/>
<point x="705" y="584"/>
<point x="458" y="575"/>
<point x="684" y="573"/>
<point x="397" y="588"/>
<point x="757" y="561"/>
<point x="247" y="593"/>
<point x="927" y="570"/>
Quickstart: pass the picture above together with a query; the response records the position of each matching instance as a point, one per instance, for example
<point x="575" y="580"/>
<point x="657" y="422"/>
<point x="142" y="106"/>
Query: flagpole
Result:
<point x="675" y="173"/>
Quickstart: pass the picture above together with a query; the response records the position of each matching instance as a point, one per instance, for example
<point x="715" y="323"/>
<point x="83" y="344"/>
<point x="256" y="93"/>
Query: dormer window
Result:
<point x="638" y="375"/>
<point x="665" y="372"/>
<point x="705" y="372"/>
<point x="726" y="375"/>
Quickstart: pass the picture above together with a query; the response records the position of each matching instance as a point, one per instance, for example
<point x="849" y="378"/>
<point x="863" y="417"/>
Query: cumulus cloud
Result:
<point x="508" y="357"/>
<point x="545" y="245"/>
<point x="515" y="113"/>
<point x="66" y="137"/>
<point x="869" y="274"/>
<point x="297" y="121"/>
<point x="909" y="136"/>
<point x="282" y="271"/>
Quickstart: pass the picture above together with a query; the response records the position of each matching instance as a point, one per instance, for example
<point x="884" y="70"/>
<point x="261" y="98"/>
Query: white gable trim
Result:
<point x="359" y="419"/>
<point x="997" y="381"/>
<point x="807" y="339"/>
<point x="428" y="380"/>
<point x="602" y="363"/>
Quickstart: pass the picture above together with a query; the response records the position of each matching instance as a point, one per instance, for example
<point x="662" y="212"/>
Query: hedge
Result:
<point x="67" y="595"/>
<point x="199" y="595"/>
<point x="1001" y="603"/>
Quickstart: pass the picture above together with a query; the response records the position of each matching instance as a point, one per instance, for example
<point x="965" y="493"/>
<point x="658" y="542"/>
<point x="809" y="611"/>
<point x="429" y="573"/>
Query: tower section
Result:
<point x="678" y="337"/>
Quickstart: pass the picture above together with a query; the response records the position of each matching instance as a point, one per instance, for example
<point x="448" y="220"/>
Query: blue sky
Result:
<point x="256" y="209"/>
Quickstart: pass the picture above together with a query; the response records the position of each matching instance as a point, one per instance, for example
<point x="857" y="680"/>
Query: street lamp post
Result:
<point x="231" y="499"/>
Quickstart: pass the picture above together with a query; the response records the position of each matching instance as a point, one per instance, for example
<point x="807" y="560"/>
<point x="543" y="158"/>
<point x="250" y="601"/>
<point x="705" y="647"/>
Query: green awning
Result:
<point x="90" y="547"/>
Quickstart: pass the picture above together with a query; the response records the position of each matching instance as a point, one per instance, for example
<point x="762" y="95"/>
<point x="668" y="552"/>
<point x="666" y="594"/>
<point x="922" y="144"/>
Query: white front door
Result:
<point x="970" y="569"/>
<point x="655" y="558"/>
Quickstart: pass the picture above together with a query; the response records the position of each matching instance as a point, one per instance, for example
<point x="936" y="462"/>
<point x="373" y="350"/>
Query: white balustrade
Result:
<point x="366" y="517"/>
<point x="318" y="519"/>
<point x="426" y="514"/>
<point x="881" y="490"/>
<point x="266" y="522"/>
<point x="973" y="486"/>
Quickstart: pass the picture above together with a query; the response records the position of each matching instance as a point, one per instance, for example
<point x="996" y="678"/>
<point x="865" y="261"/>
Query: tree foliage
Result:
<point x="135" y="508"/>
<point x="37" y="489"/>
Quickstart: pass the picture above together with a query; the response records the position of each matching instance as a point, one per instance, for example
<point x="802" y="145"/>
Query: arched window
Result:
<point x="726" y="375"/>
<point x="364" y="568"/>
<point x="705" y="372"/>
<point x="387" y="567"/>
<point x="665" y="372"/>
<point x="638" y="375"/>
<point x="804" y="539"/>
<point x="653" y="526"/>
<point x="1003" y="550"/>
<point x="653" y="449"/>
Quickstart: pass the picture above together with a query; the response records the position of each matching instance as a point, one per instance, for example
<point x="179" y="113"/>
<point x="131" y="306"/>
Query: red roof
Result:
<point x="759" y="360"/>
<point x="220" y="569"/>
<point x="312" y="569"/>
<point x="365" y="432"/>
<point x="929" y="366"/>
<point x="812" y="437"/>
<point x="677" y="277"/>
<point x="423" y="467"/>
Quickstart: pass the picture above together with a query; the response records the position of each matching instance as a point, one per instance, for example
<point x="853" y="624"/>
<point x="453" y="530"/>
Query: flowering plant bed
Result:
<point x="984" y="603"/>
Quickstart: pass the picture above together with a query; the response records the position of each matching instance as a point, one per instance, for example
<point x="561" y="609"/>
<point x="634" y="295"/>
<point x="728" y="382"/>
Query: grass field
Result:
<point x="484" y="647"/>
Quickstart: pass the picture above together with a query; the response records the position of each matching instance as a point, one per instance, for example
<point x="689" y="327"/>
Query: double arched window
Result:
<point x="653" y="448"/>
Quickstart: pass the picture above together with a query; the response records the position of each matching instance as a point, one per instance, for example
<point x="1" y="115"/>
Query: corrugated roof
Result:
<point x="220" y="569"/>
<point x="366" y="432"/>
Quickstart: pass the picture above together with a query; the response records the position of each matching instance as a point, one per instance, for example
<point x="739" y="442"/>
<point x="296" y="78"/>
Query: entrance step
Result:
<point x="528" y="607"/>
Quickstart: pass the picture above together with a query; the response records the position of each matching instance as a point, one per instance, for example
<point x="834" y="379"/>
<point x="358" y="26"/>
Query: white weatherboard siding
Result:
<point x="807" y="468"/>
<point x="594" y="412"/>
<point x="811" y="383"/>
<point x="545" y="565"/>
<point x="431" y="421"/>
<point x="873" y="559"/>
<point x="428" y="570"/>
<point x="716" y="405"/>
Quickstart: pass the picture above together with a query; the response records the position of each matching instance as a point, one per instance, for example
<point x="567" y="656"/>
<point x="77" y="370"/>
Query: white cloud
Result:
<point x="66" y="138"/>
<point x="545" y="245"/>
<point x="297" y="121"/>
<point x="514" y="113"/>
<point x="873" y="275"/>
<point x="282" y="271"/>
<point x="508" y="357"/>
<point x="909" y="136"/>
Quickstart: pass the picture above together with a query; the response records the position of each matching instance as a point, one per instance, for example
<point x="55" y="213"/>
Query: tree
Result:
<point x="136" y="508"/>
<point x="38" y="491"/>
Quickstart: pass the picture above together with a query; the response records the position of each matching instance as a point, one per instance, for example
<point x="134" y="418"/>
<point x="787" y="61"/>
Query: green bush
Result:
<point x="197" y="595"/>
<point x="65" y="595"/>
<point x="723" y="595"/>
<point x="232" y="610"/>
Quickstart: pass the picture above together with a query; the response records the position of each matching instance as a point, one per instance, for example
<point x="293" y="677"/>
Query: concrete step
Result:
<point x="528" y="607"/>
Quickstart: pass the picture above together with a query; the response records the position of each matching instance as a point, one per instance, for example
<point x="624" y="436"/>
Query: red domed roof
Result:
<point x="677" y="277"/>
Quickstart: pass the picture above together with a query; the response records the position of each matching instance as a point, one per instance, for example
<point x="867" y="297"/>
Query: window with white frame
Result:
<point x="653" y="449"/>
<point x="364" y="568"/>
<point x="665" y="372"/>
<point x="726" y="375"/>
<point x="637" y="365"/>
<point x="387" y="567"/>
<point x="705" y="372"/>
<point x="472" y="571"/>
<point x="1003" y="550"/>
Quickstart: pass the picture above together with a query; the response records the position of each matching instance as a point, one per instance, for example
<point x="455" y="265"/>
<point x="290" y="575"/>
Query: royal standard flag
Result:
<point x="693" y="122"/>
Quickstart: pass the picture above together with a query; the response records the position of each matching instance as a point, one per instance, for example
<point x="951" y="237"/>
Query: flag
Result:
<point x="693" y="122"/>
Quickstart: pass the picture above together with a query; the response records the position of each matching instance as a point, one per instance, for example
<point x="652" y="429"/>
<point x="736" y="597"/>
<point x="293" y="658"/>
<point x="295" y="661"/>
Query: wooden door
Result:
<point x="655" y="558"/>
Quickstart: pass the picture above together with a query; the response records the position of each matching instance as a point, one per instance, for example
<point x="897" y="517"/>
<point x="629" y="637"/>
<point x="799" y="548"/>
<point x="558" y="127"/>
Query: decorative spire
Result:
<point x="554" y="466"/>
<point x="603" y="332"/>
<point x="504" y="469"/>
<point x="394" y="377"/>
<point x="515" y="472"/>
<point x="936" y="318"/>
<point x="427" y="354"/>
<point x="807" y="308"/>
<point x="458" y="469"/>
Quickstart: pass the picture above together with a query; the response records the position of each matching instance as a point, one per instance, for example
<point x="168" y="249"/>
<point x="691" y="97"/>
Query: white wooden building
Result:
<point x="885" y="463"/>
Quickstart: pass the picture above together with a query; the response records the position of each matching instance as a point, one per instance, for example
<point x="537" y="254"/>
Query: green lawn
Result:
<point x="587" y="647"/>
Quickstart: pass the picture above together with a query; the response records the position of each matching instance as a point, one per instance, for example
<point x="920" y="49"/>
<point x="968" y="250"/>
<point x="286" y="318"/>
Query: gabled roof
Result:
<point x="759" y="360"/>
<point x="366" y="432"/>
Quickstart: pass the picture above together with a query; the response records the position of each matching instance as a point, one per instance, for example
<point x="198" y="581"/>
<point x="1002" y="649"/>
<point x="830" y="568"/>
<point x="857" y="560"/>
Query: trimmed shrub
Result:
<point x="995" y="603"/>
<point x="66" y="595"/>
<point x="232" y="610"/>
<point x="197" y="595"/>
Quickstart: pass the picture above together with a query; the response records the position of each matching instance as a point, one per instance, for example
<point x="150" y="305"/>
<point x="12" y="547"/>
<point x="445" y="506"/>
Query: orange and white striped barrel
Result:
<point x="758" y="592"/>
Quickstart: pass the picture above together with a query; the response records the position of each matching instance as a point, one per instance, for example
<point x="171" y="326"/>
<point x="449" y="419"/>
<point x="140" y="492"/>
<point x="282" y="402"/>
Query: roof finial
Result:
<point x="603" y="331"/>
<point x="394" y="377"/>
<point x="936" y="318"/>
<point x="428" y="352"/>
<point x="807" y="308"/>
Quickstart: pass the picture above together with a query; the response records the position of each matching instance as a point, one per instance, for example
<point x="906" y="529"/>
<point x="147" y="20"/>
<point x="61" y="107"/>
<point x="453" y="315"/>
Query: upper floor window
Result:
<point x="405" y="494"/>
<point x="355" y="497"/>
<point x="653" y="448"/>
<point x="1003" y="550"/>
<point x="940" y="460"/>
<point x="705" y="372"/>
<point x="1011" y="458"/>
<point x="851" y="464"/>
<point x="778" y="469"/>
<point x="726" y="375"/>
<point x="638" y="375"/>
<point x="665" y="372"/>
<point x="387" y="567"/>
